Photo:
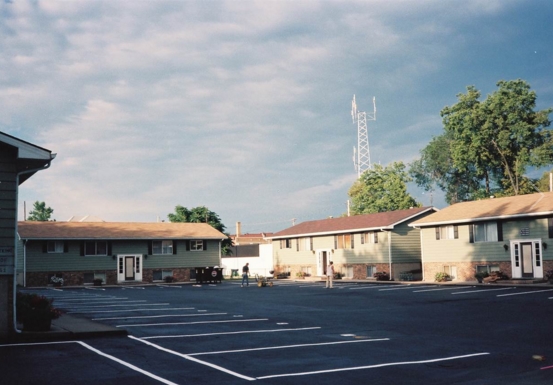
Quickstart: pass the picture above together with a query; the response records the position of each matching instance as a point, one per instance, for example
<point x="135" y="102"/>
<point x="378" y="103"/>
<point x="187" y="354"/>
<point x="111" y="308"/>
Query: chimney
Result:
<point x="238" y="229"/>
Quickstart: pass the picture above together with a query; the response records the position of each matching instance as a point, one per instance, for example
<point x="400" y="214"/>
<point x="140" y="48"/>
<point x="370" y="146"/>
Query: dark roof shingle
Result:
<point x="353" y="223"/>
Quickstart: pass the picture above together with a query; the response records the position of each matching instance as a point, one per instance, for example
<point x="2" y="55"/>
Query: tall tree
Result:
<point x="381" y="189"/>
<point x="202" y="214"/>
<point x="40" y="212"/>
<point x="435" y="169"/>
<point x="491" y="144"/>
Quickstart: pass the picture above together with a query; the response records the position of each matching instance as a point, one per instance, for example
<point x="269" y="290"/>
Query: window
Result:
<point x="196" y="245"/>
<point x="304" y="244"/>
<point x="485" y="232"/>
<point x="344" y="241"/>
<point x="487" y="268"/>
<point x="54" y="247"/>
<point x="96" y="248"/>
<point x="162" y="247"/>
<point x="447" y="232"/>
<point x="159" y="275"/>
<point x="90" y="277"/>
<point x="370" y="237"/>
<point x="285" y="243"/>
<point x="370" y="271"/>
<point x="451" y="271"/>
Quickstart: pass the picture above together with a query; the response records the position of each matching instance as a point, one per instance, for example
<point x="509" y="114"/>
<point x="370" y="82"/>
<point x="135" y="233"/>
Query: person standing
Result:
<point x="245" y="274"/>
<point x="329" y="275"/>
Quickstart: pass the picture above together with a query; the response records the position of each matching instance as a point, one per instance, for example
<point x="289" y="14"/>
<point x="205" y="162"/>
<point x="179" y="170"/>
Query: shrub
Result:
<point x="441" y="277"/>
<point x="33" y="306"/>
<point x="381" y="276"/>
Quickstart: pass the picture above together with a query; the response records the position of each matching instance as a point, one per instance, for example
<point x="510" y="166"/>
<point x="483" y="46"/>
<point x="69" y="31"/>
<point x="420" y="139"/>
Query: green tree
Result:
<point x="381" y="189"/>
<point x="491" y="144"/>
<point x="435" y="169"/>
<point x="202" y="214"/>
<point x="40" y="212"/>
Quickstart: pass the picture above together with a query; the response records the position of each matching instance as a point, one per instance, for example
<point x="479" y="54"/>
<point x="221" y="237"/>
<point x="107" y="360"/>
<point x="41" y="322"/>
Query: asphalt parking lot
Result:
<point x="295" y="333"/>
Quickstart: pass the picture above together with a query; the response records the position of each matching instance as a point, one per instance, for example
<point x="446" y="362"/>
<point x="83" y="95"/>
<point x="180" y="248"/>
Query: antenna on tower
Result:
<point x="363" y="161"/>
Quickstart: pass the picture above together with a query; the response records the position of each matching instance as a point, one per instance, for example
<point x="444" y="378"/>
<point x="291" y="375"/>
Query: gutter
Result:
<point x="46" y="166"/>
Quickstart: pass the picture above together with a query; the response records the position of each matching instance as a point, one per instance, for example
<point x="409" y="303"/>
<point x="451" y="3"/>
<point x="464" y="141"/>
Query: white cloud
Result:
<point x="242" y="106"/>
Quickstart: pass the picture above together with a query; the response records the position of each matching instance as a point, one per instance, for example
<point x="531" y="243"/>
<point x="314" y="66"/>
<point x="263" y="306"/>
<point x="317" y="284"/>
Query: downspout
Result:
<point x="24" y="262"/>
<point x="390" y="253"/>
<point x="16" y="240"/>
<point x="422" y="254"/>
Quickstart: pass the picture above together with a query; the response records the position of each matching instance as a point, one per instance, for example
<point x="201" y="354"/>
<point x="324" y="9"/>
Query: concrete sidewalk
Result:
<point x="69" y="327"/>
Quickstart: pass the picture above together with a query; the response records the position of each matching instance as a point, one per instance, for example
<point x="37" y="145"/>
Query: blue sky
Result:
<point x="244" y="106"/>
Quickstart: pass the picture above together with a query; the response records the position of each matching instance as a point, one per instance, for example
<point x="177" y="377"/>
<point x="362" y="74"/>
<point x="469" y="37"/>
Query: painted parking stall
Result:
<point x="301" y="332"/>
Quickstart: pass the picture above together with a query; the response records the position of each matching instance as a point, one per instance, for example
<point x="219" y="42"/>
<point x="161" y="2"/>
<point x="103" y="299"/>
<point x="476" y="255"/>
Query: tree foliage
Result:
<point x="40" y="212"/>
<point x="202" y="214"/>
<point x="381" y="189"/>
<point x="487" y="146"/>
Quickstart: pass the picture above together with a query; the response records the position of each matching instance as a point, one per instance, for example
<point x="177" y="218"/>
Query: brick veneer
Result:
<point x="76" y="278"/>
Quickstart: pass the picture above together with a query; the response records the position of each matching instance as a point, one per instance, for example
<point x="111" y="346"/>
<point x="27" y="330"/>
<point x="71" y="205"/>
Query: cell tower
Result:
<point x="362" y="156"/>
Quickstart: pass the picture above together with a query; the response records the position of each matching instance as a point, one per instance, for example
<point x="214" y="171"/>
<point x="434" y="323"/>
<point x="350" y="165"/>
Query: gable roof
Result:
<point x="365" y="222"/>
<point x="491" y="209"/>
<point x="116" y="230"/>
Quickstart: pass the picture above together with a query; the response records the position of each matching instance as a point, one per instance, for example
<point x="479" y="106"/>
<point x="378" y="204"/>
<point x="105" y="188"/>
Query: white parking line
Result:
<point x="111" y="311"/>
<point x="526" y="292"/>
<point x="371" y="366"/>
<point x="126" y="310"/>
<point x="443" y="288"/>
<point x="99" y="352"/>
<point x="72" y="305"/>
<point x="122" y="304"/>
<point x="287" y="347"/>
<point x="159" y="316"/>
<point x="90" y="299"/>
<point x="187" y="357"/>
<point x="483" y="291"/>
<point x="228" y="333"/>
<point x="404" y="287"/>
<point x="192" y="323"/>
<point x="370" y="287"/>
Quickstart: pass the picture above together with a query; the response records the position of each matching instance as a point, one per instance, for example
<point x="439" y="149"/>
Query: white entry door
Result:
<point x="129" y="268"/>
<point x="526" y="258"/>
<point x="323" y="257"/>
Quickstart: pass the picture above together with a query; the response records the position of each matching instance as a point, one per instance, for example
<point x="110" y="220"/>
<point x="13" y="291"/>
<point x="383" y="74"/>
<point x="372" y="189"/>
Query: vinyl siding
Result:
<point x="406" y="246"/>
<point x="8" y="188"/>
<point x="459" y="250"/>
<point x="37" y="260"/>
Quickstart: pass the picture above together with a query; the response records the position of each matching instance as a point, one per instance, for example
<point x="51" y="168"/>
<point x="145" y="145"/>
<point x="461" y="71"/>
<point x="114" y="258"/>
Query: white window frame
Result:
<point x="489" y="233"/>
<point x="447" y="232"/>
<point x="162" y="248"/>
<point x="57" y="249"/>
<point x="197" y="245"/>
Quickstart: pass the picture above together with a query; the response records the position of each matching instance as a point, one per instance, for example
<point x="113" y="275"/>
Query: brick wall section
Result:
<point x="465" y="270"/>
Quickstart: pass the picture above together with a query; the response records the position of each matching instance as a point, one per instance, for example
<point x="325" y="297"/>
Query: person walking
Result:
<point x="329" y="275"/>
<point x="245" y="274"/>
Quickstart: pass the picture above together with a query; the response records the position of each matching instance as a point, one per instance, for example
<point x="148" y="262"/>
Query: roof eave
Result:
<point x="482" y="219"/>
<point x="325" y="233"/>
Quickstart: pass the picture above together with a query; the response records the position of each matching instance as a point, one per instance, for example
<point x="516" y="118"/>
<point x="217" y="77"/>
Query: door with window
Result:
<point x="526" y="259"/>
<point x="323" y="257"/>
<point x="129" y="268"/>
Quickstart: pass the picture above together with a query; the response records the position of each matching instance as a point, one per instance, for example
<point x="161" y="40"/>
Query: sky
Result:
<point x="245" y="106"/>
